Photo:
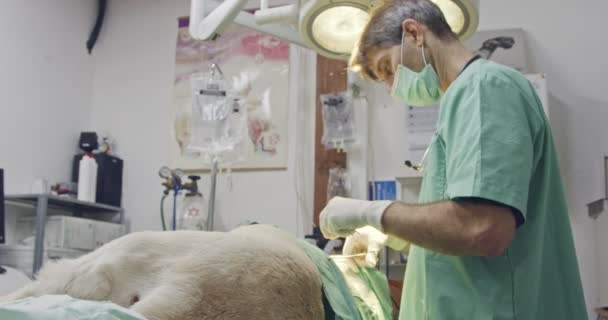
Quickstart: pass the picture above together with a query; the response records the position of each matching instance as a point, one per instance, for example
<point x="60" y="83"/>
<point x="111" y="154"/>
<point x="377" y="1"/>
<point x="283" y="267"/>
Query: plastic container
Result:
<point x="87" y="179"/>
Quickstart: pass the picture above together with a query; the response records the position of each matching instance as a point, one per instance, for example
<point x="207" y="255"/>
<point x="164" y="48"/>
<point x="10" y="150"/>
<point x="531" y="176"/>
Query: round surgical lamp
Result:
<point x="462" y="16"/>
<point x="332" y="27"/>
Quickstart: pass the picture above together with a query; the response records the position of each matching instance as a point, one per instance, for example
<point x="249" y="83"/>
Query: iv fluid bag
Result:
<point x="338" y="119"/>
<point x="217" y="118"/>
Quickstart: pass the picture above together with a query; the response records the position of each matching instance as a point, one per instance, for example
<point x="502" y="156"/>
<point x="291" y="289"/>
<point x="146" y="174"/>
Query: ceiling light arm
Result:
<point x="209" y="25"/>
<point x="278" y="31"/>
<point x="282" y="14"/>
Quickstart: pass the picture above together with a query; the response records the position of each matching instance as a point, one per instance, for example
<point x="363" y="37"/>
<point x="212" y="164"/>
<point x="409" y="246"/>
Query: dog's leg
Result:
<point x="92" y="284"/>
<point x="88" y="282"/>
<point x="22" y="293"/>
<point x="167" y="302"/>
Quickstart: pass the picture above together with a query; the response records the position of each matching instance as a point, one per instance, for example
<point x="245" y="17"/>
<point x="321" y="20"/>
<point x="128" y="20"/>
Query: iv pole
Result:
<point x="211" y="209"/>
<point x="214" y="170"/>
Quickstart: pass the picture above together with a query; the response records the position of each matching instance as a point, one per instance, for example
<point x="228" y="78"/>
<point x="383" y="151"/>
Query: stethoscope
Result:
<point x="420" y="166"/>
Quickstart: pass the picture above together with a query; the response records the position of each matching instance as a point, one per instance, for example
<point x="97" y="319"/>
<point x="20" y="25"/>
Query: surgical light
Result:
<point x="462" y="15"/>
<point x="332" y="27"/>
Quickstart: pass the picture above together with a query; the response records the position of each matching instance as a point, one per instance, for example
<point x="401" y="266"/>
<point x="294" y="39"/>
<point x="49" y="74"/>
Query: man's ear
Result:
<point x="414" y="30"/>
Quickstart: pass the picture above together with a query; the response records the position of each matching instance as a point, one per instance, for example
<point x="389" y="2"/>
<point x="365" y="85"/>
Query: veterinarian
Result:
<point x="490" y="236"/>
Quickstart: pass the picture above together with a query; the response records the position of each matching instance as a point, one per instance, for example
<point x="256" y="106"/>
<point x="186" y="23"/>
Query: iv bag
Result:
<point x="338" y="120"/>
<point x="218" y="118"/>
<point x="338" y="184"/>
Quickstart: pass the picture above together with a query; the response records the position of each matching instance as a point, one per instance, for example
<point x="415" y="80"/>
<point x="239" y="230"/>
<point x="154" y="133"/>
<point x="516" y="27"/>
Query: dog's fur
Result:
<point x="253" y="272"/>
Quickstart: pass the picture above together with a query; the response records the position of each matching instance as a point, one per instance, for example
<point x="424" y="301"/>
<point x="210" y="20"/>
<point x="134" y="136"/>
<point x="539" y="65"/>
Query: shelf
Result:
<point x="41" y="204"/>
<point x="406" y="173"/>
<point x="414" y="178"/>
<point x="57" y="202"/>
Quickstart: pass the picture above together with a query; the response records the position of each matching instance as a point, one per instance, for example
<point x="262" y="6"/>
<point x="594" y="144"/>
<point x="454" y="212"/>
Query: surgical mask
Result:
<point x="416" y="88"/>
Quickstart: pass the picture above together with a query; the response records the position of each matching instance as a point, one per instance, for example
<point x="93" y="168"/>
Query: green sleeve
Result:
<point x="489" y="144"/>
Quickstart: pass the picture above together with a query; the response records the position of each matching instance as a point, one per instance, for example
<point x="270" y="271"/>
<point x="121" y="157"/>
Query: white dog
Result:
<point x="253" y="272"/>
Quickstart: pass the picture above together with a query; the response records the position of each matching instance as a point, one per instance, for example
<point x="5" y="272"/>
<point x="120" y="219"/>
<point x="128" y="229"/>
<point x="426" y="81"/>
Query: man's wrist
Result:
<point x="375" y="212"/>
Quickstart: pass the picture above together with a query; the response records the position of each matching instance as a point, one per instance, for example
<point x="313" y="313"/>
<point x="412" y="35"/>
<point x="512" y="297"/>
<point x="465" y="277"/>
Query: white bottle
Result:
<point x="87" y="178"/>
<point x="192" y="213"/>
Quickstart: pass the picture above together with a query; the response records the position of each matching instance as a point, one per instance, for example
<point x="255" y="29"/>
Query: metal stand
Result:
<point x="212" y="188"/>
<point x="214" y="68"/>
<point x="41" y="214"/>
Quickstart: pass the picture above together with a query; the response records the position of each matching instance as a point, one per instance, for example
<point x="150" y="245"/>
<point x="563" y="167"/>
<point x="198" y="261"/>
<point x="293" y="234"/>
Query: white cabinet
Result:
<point x="539" y="81"/>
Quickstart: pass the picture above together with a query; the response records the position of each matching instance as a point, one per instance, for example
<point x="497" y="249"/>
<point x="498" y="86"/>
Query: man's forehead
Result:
<point x="371" y="63"/>
<point x="374" y="57"/>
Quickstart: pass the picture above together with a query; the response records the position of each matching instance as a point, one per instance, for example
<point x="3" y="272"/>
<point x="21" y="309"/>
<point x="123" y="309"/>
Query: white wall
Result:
<point x="46" y="80"/>
<point x="132" y="101"/>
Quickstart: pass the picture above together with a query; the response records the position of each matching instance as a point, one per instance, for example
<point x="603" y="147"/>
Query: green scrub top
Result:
<point x="493" y="142"/>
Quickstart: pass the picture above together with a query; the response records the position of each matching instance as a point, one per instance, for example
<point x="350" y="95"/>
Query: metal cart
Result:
<point x="42" y="202"/>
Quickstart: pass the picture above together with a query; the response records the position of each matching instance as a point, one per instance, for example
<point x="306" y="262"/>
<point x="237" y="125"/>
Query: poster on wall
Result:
<point x="421" y="124"/>
<point x="239" y="51"/>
